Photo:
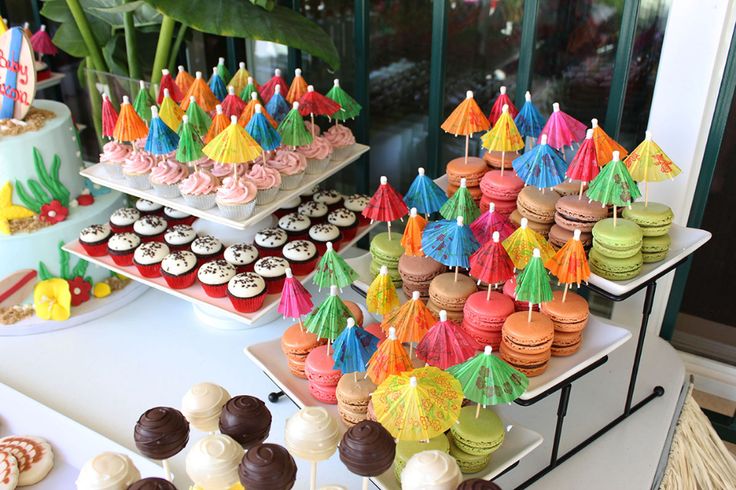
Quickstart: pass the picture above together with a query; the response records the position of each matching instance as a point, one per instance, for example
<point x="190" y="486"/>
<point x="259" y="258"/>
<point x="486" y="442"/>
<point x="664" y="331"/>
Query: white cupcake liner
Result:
<point x="166" y="190"/>
<point x="340" y="153"/>
<point x="265" y="196"/>
<point x="113" y="169"/>
<point x="139" y="181"/>
<point x="204" y="201"/>
<point x="315" y="166"/>
<point x="237" y="211"/>
<point x="290" y="182"/>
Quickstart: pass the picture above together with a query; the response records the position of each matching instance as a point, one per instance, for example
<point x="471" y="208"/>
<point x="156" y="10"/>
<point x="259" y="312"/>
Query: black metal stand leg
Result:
<point x="275" y="396"/>
<point x="561" y="412"/>
<point x="648" y="303"/>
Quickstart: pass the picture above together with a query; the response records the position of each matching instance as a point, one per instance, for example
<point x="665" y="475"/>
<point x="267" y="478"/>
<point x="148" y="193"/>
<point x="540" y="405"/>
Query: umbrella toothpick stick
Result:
<point x="488" y="293"/>
<point x="564" y="293"/>
<point x="355" y="376"/>
<point x="457" y="268"/>
<point x="529" y="316"/>
<point x="467" y="147"/>
<point x="580" y="194"/>
<point x="311" y="117"/>
<point x="615" y="215"/>
<point x="389" y="230"/>
<point x="503" y="159"/>
<point x="477" y="410"/>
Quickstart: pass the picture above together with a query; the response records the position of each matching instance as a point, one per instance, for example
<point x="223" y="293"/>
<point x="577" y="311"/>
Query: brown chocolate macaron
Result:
<point x="537" y="205"/>
<point x="573" y="213"/>
<point x="417" y="273"/>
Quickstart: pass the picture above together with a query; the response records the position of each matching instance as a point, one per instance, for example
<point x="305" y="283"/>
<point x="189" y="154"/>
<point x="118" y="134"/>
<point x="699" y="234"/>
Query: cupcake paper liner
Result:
<point x="179" y="247"/>
<point x="266" y="196"/>
<point x="114" y="169"/>
<point x="122" y="259"/>
<point x="121" y="229"/>
<point x="291" y="182"/>
<point x="166" y="190"/>
<point x="348" y="232"/>
<point x="315" y="166"/>
<point x="304" y="267"/>
<point x="341" y="153"/>
<point x="237" y="211"/>
<point x="274" y="285"/>
<point x="215" y="290"/>
<point x="98" y="249"/>
<point x="203" y="259"/>
<point x="182" y="281"/>
<point x="267" y="252"/>
<point x="247" y="305"/>
<point x="204" y="201"/>
<point x="152" y="238"/>
<point x="139" y="182"/>
<point x="148" y="270"/>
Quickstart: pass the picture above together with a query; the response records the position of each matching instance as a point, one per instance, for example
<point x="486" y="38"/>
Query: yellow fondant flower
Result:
<point x="8" y="210"/>
<point x="101" y="289"/>
<point x="52" y="299"/>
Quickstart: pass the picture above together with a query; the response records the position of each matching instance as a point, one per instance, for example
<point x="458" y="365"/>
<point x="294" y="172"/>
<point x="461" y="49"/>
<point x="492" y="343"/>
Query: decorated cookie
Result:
<point x="33" y="454"/>
<point x="8" y="471"/>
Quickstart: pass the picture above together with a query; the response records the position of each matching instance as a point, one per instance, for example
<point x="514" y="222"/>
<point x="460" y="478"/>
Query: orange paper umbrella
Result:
<point x="170" y="112"/>
<point x="649" y="163"/>
<point x="570" y="264"/>
<point x="183" y="80"/>
<point x="411" y="240"/>
<point x="233" y="145"/>
<point x="390" y="358"/>
<point x="130" y="126"/>
<point x="466" y="119"/>
<point x="504" y="136"/>
<point x="411" y="320"/>
<point x="521" y="244"/>
<point x="250" y="109"/>
<point x="298" y="87"/>
<point x="219" y="123"/>
<point x="240" y="79"/>
<point x="201" y="93"/>
<point x="381" y="297"/>
<point x="604" y="144"/>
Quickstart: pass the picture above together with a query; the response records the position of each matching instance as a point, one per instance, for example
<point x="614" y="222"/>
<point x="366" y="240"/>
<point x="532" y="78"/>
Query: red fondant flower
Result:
<point x="85" y="199"/>
<point x="53" y="212"/>
<point x="80" y="290"/>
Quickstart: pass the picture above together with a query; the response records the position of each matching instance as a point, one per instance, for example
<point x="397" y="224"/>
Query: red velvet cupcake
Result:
<point x="315" y="211"/>
<point x="93" y="239"/>
<point x="302" y="256"/>
<point x="346" y="221"/>
<point x="176" y="217"/>
<point x="146" y="207"/>
<point x="296" y="226"/>
<point x="150" y="228"/>
<point x="214" y="277"/>
<point x="269" y="242"/>
<point x="357" y="203"/>
<point x="321" y="234"/>
<point x="121" y="247"/>
<point x="148" y="257"/>
<point x="121" y="221"/>
<point x="331" y="198"/>
<point x="242" y="255"/>
<point x="180" y="237"/>
<point x="246" y="292"/>
<point x="207" y="248"/>
<point x="179" y="269"/>
<point x="273" y="272"/>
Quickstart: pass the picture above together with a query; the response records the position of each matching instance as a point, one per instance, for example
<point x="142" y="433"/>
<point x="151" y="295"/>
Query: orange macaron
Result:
<point x="569" y="317"/>
<point x="526" y="345"/>
<point x="472" y="171"/>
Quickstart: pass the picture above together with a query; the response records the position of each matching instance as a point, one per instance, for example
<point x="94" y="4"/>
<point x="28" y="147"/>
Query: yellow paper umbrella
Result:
<point x="504" y="136"/>
<point x="183" y="80"/>
<point x="170" y="112"/>
<point x="521" y="243"/>
<point x="129" y="126"/>
<point x="466" y="119"/>
<point x="411" y="240"/>
<point x="604" y="144"/>
<point x="649" y="163"/>
<point x="250" y="109"/>
<point x="219" y="123"/>
<point x="419" y="404"/>
<point x="233" y="145"/>
<point x="201" y="93"/>
<point x="240" y="79"/>
<point x="381" y="297"/>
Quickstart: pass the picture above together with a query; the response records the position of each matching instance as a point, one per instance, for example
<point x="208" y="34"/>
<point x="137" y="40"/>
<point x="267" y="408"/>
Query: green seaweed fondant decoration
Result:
<point x="79" y="270"/>
<point x="48" y="190"/>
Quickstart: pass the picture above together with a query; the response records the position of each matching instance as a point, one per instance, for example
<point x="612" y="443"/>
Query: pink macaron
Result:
<point x="501" y="187"/>
<point x="501" y="207"/>
<point x="323" y="378"/>
<point x="483" y="318"/>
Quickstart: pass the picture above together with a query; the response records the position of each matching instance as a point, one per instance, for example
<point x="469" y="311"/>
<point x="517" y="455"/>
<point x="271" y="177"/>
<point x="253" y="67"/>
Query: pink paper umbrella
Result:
<point x="109" y="116"/>
<point x="562" y="129"/>
<point x="446" y="344"/>
<point x="488" y="222"/>
<point x="584" y="166"/>
<point x="295" y="299"/>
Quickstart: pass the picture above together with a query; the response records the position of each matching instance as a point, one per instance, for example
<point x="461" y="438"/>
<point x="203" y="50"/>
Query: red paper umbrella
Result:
<point x="232" y="105"/>
<point x="41" y="42"/>
<point x="497" y="108"/>
<point x="584" y="166"/>
<point x="446" y="344"/>
<point x="491" y="264"/>
<point x="386" y="205"/>
<point x="267" y="89"/>
<point x="315" y="104"/>
<point x="167" y="82"/>
<point x="109" y="117"/>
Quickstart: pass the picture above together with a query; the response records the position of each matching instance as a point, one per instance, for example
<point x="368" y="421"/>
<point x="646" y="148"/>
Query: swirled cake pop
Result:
<point x="246" y="419"/>
<point x="212" y="463"/>
<point x="267" y="467"/>
<point x="202" y="405"/>
<point x="107" y="471"/>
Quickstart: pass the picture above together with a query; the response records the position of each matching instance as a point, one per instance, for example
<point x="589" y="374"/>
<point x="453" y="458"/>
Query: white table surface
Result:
<point x="106" y="373"/>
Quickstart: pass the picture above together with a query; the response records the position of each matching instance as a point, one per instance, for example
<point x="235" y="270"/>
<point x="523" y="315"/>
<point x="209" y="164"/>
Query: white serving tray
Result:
<point x="73" y="444"/>
<point x="97" y="174"/>
<point x="519" y="440"/>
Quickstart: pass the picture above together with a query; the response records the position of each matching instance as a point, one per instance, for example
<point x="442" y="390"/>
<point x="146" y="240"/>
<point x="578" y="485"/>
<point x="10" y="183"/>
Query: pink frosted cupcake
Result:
<point x="199" y="189"/>
<point x="342" y="141"/>
<point x="236" y="198"/>
<point x="112" y="158"/>
<point x="312" y="129"/>
<point x="165" y="177"/>
<point x="136" y="168"/>
<point x="318" y="154"/>
<point x="291" y="165"/>
<point x="267" y="181"/>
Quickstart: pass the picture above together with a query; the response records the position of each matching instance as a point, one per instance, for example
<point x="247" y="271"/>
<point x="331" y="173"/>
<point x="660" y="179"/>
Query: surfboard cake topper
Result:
<point x="17" y="74"/>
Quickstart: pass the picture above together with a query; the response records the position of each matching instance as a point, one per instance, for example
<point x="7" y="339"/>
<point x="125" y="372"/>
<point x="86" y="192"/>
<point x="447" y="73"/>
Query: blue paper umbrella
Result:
<point x="217" y="85"/>
<point x="449" y="242"/>
<point x="353" y="348"/>
<point x="424" y="194"/>
<point x="541" y="166"/>
<point x="277" y="105"/>
<point x="161" y="138"/>
<point x="262" y="131"/>
<point x="529" y="120"/>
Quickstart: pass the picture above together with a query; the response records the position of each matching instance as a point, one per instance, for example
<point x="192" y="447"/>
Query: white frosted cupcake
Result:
<point x="318" y="154"/>
<point x="112" y="158"/>
<point x="148" y="257"/>
<point x="180" y="237"/>
<point x="342" y="141"/>
<point x="136" y="168"/>
<point x="214" y="276"/>
<point x="236" y="198"/>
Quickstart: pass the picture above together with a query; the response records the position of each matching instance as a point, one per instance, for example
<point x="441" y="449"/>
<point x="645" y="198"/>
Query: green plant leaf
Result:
<point x="67" y="36"/>
<point x="111" y="12"/>
<point x="239" y="18"/>
<point x="264" y="4"/>
<point x="120" y="9"/>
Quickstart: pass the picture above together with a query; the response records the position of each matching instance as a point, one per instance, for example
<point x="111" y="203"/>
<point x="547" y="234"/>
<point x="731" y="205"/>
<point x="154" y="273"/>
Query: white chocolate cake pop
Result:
<point x="202" y="405"/>
<point x="431" y="470"/>
<point x="212" y="463"/>
<point x="108" y="471"/>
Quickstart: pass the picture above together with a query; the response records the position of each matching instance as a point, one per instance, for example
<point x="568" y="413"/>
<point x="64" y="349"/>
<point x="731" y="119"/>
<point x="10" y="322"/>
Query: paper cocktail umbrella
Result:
<point x="522" y="242"/>
<point x="504" y="136"/>
<point x="424" y="194"/>
<point x="604" y="144"/>
<point x="532" y="284"/>
<point x="292" y="130"/>
<point x="333" y="270"/>
<point x="109" y="117"/>
<point x="219" y="123"/>
<point x="614" y="186"/>
<point x="170" y="111"/>
<point x="298" y="87"/>
<point x="411" y="320"/>
<point x="584" y="165"/>
<point x="449" y="242"/>
<point x="381" y="297"/>
<point x="497" y="108"/>
<point x="385" y="205"/>
<point x="390" y="358"/>
<point x="349" y="107"/>
<point x="232" y="105"/>
<point x="329" y="318"/>
<point x="201" y="93"/>
<point x="418" y="405"/>
<point x="541" y="166"/>
<point x="529" y="121"/>
<point x="198" y="118"/>
<point x="41" y="42"/>
<point x="649" y="163"/>
<point x="250" y="88"/>
<point x="570" y="264"/>
<point x="316" y="104"/>
<point x="446" y="344"/>
<point x="353" y="349"/>
<point x="130" y="126"/>
<point x="562" y="129"/>
<point x="267" y="88"/>
<point x="489" y="222"/>
<point x="277" y="106"/>
<point x="161" y="139"/>
<point x="143" y="102"/>
<point x="240" y="79"/>
<point x="233" y="146"/>
<point x="250" y="109"/>
<point x="461" y="204"/>
<point x="489" y="380"/>
<point x="183" y="80"/>
<point x="295" y="300"/>
<point x="466" y="119"/>
<point x="262" y="131"/>
<point x="411" y="240"/>
<point x="491" y="264"/>
<point x="222" y="70"/>
<point x="190" y="143"/>
<point x="217" y="85"/>
<point x="167" y="83"/>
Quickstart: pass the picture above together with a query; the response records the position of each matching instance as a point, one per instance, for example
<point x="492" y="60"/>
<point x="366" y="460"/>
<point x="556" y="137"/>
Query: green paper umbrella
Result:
<point x="190" y="143"/>
<point x="143" y="102"/>
<point x="250" y="89"/>
<point x="349" y="107"/>
<point x="489" y="380"/>
<point x="613" y="185"/>
<point x="292" y="129"/>
<point x="460" y="204"/>
<point x="222" y="71"/>
<point x="329" y="319"/>
<point x="198" y="118"/>
<point x="332" y="270"/>
<point x="532" y="284"/>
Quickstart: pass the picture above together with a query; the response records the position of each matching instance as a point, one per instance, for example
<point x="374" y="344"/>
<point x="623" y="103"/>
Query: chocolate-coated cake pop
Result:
<point x="152" y="484"/>
<point x="161" y="432"/>
<point x="267" y="467"/>
<point x="246" y="419"/>
<point x="367" y="449"/>
<point x="478" y="484"/>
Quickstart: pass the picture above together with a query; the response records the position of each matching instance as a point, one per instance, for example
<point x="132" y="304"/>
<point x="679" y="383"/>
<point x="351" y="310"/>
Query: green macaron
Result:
<point x="407" y="449"/>
<point x="613" y="268"/>
<point x="654" y="219"/>
<point x="468" y="463"/>
<point x="620" y="241"/>
<point x="655" y="248"/>
<point x="393" y="273"/>
<point x="478" y="436"/>
<point x="387" y="252"/>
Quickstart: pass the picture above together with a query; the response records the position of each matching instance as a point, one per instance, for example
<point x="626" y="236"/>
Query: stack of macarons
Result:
<point x="569" y="317"/>
<point x="574" y="213"/>
<point x="406" y="449"/>
<point x="501" y="190"/>
<point x="474" y="439"/>
<point x="386" y="252"/>
<point x="353" y="393"/>
<point x="655" y="221"/>
<point x="483" y="318"/>
<point x="296" y="344"/>
<point x="570" y="188"/>
<point x="526" y="345"/>
<point x="472" y="171"/>
<point x="616" y="252"/>
<point x="321" y="374"/>
<point x="538" y="207"/>
<point x="417" y="273"/>
<point x="496" y="159"/>
<point x="446" y="293"/>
